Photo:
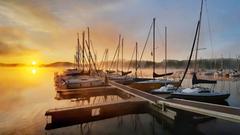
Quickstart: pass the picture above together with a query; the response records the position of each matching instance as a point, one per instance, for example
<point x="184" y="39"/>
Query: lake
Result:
<point x="28" y="92"/>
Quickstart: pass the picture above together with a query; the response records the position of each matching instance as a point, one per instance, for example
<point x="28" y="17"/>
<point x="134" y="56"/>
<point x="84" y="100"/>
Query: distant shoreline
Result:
<point x="177" y="64"/>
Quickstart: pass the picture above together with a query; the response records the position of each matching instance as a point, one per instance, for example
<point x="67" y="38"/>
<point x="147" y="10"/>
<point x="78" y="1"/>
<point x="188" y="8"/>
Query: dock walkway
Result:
<point x="213" y="110"/>
<point x="135" y="101"/>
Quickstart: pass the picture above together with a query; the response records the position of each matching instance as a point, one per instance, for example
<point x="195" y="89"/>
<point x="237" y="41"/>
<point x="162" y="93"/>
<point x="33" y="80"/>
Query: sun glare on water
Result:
<point x="34" y="71"/>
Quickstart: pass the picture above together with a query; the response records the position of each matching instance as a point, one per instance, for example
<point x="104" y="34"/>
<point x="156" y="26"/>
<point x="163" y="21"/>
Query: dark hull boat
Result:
<point x="200" y="94"/>
<point x="202" y="98"/>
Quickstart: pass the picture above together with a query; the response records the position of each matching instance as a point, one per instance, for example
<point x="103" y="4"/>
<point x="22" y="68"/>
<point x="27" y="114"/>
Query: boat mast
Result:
<point x="198" y="37"/>
<point x="122" y="55"/>
<point x="136" y="66"/>
<point x="222" y="62"/>
<point x="153" y="53"/>
<point x="83" y="44"/>
<point x="190" y="57"/>
<point x="165" y="50"/>
<point x="89" y="51"/>
<point x="119" y="42"/>
<point x="78" y="51"/>
<point x="106" y="59"/>
<point x="238" y="65"/>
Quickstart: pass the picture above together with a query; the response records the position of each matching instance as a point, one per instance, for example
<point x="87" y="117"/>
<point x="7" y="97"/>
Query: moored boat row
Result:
<point x="93" y="76"/>
<point x="195" y="92"/>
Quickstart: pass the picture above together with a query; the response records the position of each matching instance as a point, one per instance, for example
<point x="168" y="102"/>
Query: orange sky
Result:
<point x="45" y="31"/>
<point x="34" y="33"/>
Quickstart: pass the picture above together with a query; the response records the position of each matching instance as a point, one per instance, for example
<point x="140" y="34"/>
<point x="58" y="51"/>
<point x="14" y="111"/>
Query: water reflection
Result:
<point x="94" y="95"/>
<point x="34" y="71"/>
<point x="89" y="100"/>
<point x="25" y="97"/>
<point x="139" y="124"/>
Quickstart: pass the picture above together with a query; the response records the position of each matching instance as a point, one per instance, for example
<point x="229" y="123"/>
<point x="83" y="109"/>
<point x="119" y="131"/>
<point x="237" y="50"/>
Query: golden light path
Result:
<point x="34" y="71"/>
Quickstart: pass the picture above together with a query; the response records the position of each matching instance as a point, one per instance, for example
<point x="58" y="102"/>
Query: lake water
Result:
<point x="28" y="92"/>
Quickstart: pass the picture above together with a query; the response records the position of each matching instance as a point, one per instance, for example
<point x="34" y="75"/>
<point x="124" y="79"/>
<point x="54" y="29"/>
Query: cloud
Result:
<point x="15" y="41"/>
<point x="25" y="14"/>
<point x="16" y="49"/>
<point x="51" y="26"/>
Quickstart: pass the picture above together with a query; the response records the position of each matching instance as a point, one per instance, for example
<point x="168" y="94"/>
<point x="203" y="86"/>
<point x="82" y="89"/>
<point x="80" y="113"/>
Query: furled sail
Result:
<point x="161" y="75"/>
<point x="126" y="73"/>
<point x="198" y="81"/>
<point x="110" y="71"/>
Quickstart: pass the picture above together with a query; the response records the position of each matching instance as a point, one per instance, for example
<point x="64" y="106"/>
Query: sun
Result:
<point x="34" y="62"/>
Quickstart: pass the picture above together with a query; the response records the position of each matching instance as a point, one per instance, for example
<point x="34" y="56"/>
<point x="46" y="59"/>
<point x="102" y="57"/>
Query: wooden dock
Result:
<point x="171" y="105"/>
<point x="136" y="102"/>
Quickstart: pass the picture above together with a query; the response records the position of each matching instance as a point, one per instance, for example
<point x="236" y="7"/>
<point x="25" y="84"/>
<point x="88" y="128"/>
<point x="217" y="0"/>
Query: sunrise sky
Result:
<point x="45" y="30"/>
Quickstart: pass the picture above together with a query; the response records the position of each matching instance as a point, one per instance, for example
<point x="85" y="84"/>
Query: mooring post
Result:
<point x="106" y="80"/>
<point x="163" y="107"/>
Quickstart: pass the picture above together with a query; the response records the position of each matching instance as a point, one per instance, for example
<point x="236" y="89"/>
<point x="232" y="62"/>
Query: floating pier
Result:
<point x="74" y="115"/>
<point x="135" y="102"/>
<point x="172" y="105"/>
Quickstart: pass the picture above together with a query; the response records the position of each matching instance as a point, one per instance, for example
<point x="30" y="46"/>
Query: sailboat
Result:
<point x="235" y="73"/>
<point x="211" y="71"/>
<point x="78" y="78"/>
<point x="153" y="83"/>
<point x="221" y="72"/>
<point x="135" y="78"/>
<point x="116" y="54"/>
<point x="198" y="93"/>
<point x="116" y="75"/>
<point x="167" y="88"/>
<point x="121" y="76"/>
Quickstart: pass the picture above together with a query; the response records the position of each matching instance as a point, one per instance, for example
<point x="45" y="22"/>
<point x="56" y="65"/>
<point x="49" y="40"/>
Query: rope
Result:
<point x="104" y="55"/>
<point x="94" y="52"/>
<point x="146" y="42"/>
<point x="115" y="53"/>
<point x="90" y="56"/>
<point x="191" y="53"/>
<point x="209" y="30"/>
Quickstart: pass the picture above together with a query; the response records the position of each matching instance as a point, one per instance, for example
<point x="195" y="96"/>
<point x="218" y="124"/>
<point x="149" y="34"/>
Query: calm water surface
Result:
<point x="26" y="94"/>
